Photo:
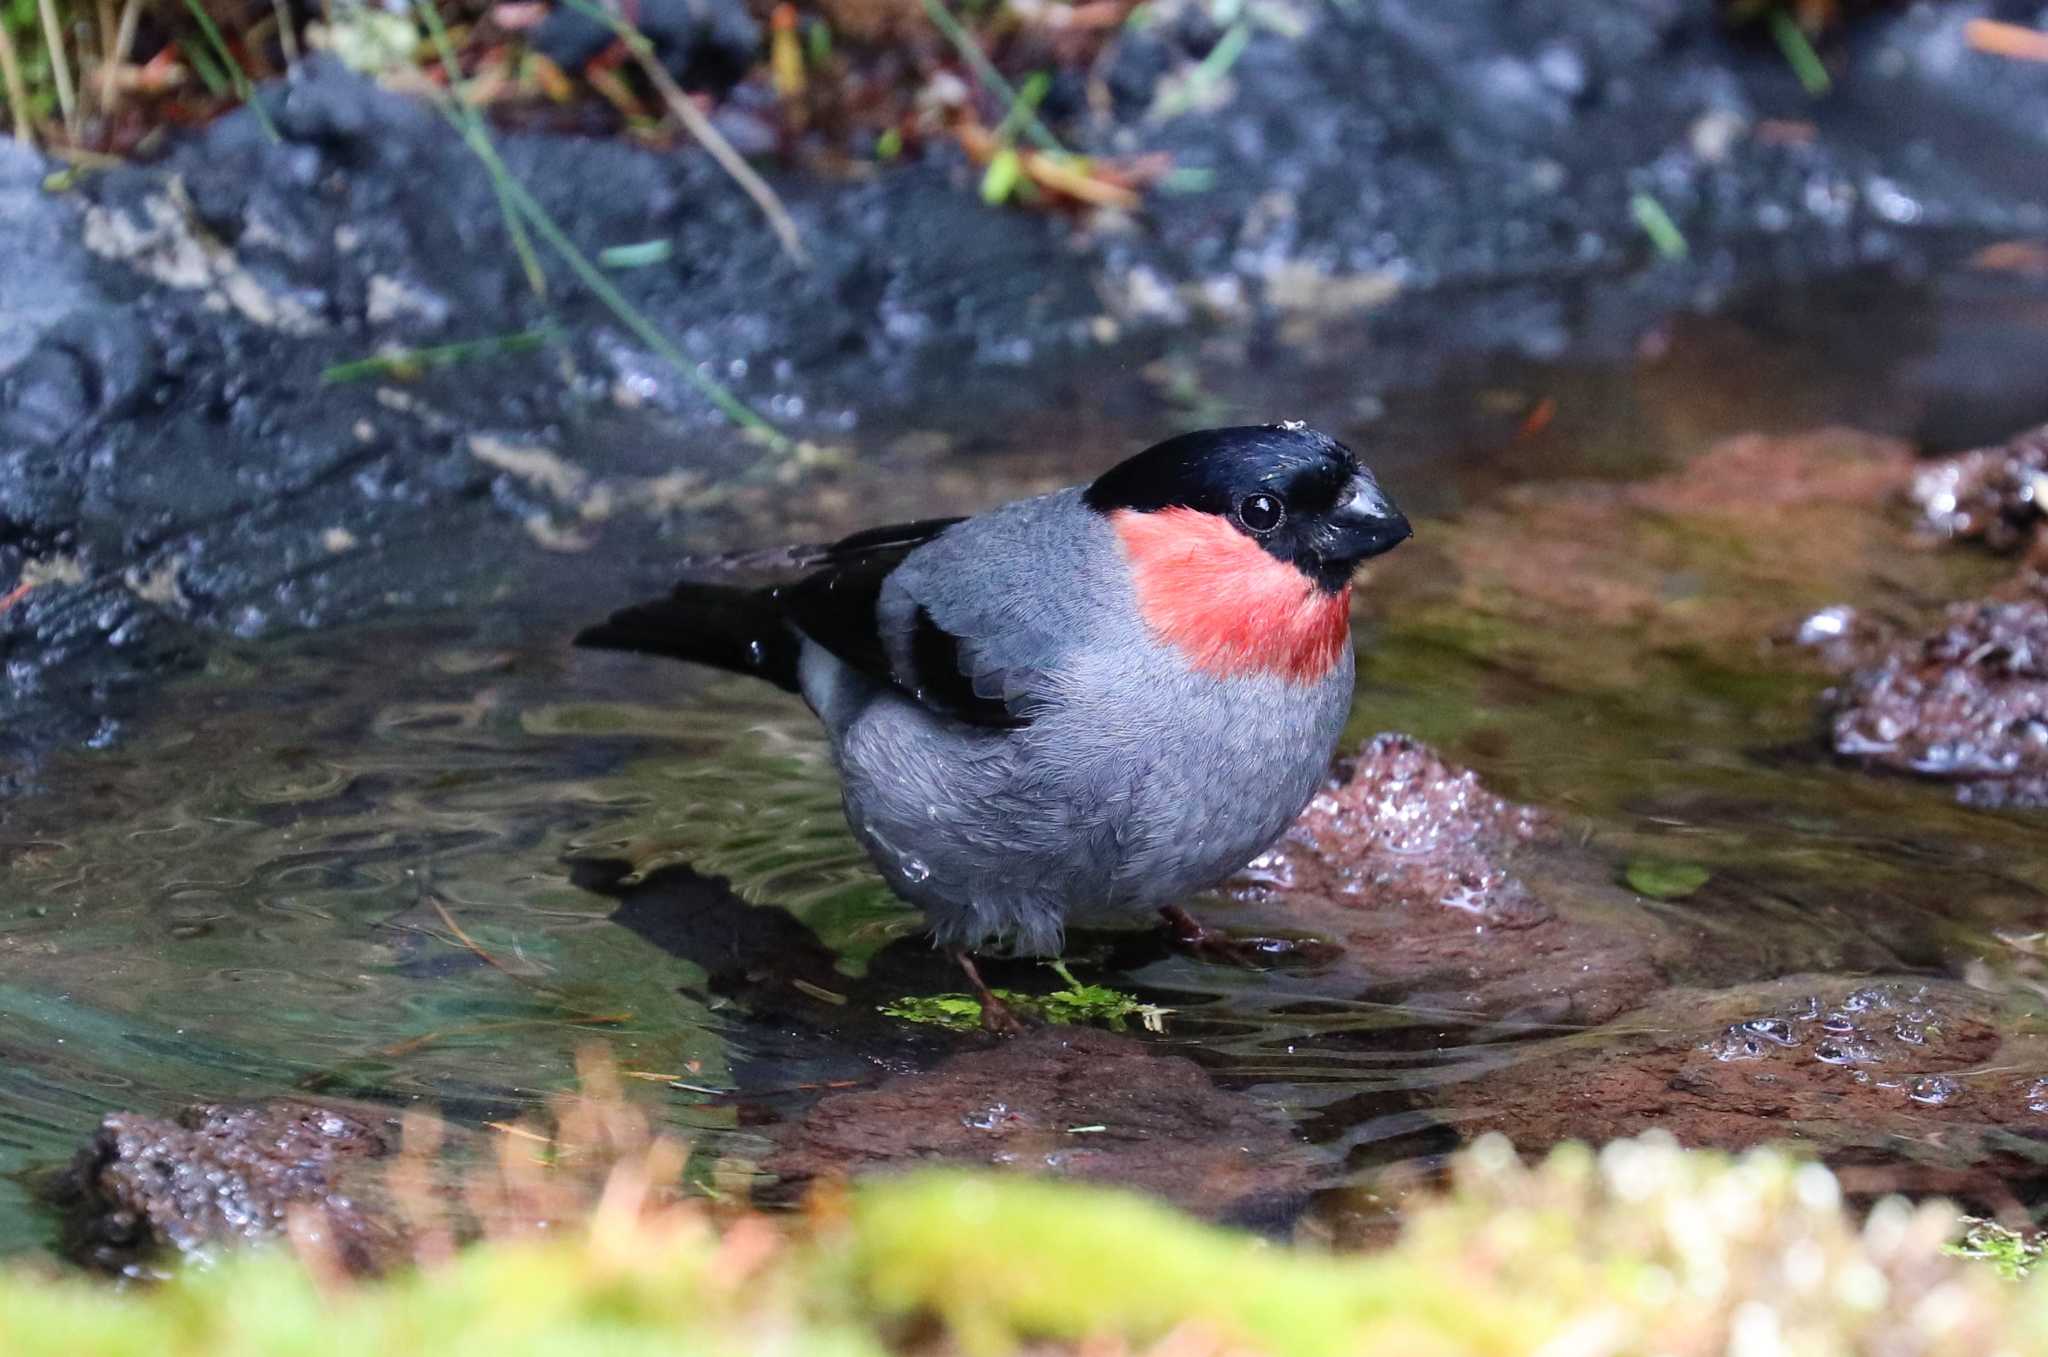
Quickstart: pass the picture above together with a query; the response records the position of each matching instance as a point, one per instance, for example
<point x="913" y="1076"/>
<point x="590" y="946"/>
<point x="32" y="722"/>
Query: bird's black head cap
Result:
<point x="1298" y="492"/>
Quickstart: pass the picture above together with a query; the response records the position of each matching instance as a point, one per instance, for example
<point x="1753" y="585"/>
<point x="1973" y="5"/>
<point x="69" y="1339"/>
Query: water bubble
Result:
<point x="1806" y="1010"/>
<point x="1774" y="1030"/>
<point x="990" y="1117"/>
<point x="1912" y="1033"/>
<point x="1735" y="1044"/>
<point x="1933" y="1090"/>
<point x="1838" y="1023"/>
<point x="1841" y="1053"/>
<point x="914" y="870"/>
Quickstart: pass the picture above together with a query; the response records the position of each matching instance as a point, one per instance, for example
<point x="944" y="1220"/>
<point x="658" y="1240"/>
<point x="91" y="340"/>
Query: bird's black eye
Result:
<point x="1261" y="513"/>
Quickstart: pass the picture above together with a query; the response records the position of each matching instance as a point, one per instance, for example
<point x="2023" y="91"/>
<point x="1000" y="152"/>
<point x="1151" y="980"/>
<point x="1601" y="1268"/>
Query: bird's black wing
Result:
<point x="838" y="605"/>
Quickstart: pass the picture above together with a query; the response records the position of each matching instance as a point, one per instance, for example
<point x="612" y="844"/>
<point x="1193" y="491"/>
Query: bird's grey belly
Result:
<point x="1103" y="808"/>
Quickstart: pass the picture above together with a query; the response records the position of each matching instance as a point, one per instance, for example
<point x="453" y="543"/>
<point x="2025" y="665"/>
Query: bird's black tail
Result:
<point x="722" y="625"/>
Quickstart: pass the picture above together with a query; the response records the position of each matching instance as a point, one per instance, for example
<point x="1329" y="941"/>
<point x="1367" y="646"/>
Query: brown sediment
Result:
<point x="1910" y="1081"/>
<point x="1068" y="1102"/>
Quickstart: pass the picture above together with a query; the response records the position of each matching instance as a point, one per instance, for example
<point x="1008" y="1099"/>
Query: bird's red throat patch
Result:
<point x="1215" y="595"/>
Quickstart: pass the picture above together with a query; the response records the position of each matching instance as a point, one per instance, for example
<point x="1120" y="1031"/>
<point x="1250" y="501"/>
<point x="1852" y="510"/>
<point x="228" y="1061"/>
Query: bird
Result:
<point x="1075" y="709"/>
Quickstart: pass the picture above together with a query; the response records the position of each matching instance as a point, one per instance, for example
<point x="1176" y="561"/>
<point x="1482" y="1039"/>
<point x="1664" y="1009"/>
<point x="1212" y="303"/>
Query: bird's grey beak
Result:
<point x="1367" y="522"/>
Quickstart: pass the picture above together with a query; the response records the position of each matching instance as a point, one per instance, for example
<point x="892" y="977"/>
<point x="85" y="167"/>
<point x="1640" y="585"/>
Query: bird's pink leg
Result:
<point x="997" y="1016"/>
<point x="1255" y="953"/>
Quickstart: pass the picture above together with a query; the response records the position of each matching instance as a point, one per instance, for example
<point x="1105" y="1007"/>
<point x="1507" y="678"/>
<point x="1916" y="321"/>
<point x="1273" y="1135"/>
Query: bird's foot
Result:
<point x="997" y="1017"/>
<point x="1253" y="953"/>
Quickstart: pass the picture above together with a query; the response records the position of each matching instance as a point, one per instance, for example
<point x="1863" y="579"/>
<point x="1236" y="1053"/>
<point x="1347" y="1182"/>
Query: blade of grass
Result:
<point x="468" y="117"/>
<point x="408" y="362"/>
<point x="103" y="34"/>
<point x="206" y="68"/>
<point x="985" y="71"/>
<point x="1209" y="72"/>
<point x="1663" y="232"/>
<point x="60" y="66"/>
<point x="1029" y="97"/>
<point x="731" y="406"/>
<point x="470" y="127"/>
<point x="244" y="89"/>
<point x="17" y="89"/>
<point x="637" y="256"/>
<point x="287" y="35"/>
<point x="709" y="137"/>
<point x="1799" y="53"/>
<point x="124" y="38"/>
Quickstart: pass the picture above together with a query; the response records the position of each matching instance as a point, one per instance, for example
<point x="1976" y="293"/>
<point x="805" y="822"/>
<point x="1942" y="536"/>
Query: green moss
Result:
<point x="2012" y="1253"/>
<point x="1661" y="880"/>
<point x="1075" y="1004"/>
<point x="1609" y="1252"/>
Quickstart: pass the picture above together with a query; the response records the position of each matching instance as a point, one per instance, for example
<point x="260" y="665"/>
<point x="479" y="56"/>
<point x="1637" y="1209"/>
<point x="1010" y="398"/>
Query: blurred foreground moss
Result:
<point x="1640" y="1248"/>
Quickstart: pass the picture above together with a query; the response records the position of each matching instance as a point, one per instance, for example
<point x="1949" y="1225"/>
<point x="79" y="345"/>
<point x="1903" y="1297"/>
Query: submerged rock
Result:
<point x="1417" y="873"/>
<point x="1399" y="826"/>
<point x="1968" y="703"/>
<point x="1071" y="1103"/>
<point x="1889" y="1075"/>
<point x="219" y="1174"/>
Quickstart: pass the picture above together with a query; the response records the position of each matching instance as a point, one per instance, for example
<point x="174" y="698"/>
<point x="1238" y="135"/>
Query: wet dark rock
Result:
<point x="1967" y="704"/>
<point x="1997" y="496"/>
<point x="1065" y="1102"/>
<point x="147" y="1191"/>
<point x="1884" y="1075"/>
<point x="705" y="44"/>
<point x="1418" y="875"/>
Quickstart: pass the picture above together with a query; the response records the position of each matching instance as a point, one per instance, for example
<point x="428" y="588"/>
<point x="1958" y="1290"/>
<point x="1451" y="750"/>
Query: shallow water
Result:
<point x="385" y="862"/>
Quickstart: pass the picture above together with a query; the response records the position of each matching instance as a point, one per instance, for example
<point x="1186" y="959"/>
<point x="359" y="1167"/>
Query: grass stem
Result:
<point x="60" y="66"/>
<point x="985" y="71"/>
<point x="117" y="53"/>
<point x="1799" y="53"/>
<point x="1663" y="232"/>
<point x="18" y="112"/>
<point x="700" y="127"/>
<point x="468" y="119"/>
<point x="244" y="88"/>
<point x="469" y="125"/>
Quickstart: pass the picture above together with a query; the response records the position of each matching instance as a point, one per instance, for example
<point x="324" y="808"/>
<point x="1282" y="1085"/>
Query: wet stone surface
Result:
<point x="1416" y="873"/>
<point x="1909" y="1081"/>
<point x="1967" y="704"/>
<point x="1997" y="496"/>
<point x="1066" y="1102"/>
<point x="1397" y="827"/>
<point x="146" y="1192"/>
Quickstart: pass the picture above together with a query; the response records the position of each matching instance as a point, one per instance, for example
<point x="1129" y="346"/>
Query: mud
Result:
<point x="1456" y="180"/>
<point x="1068" y="1103"/>
<point x="1896" y="1079"/>
<point x="146" y="1193"/>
